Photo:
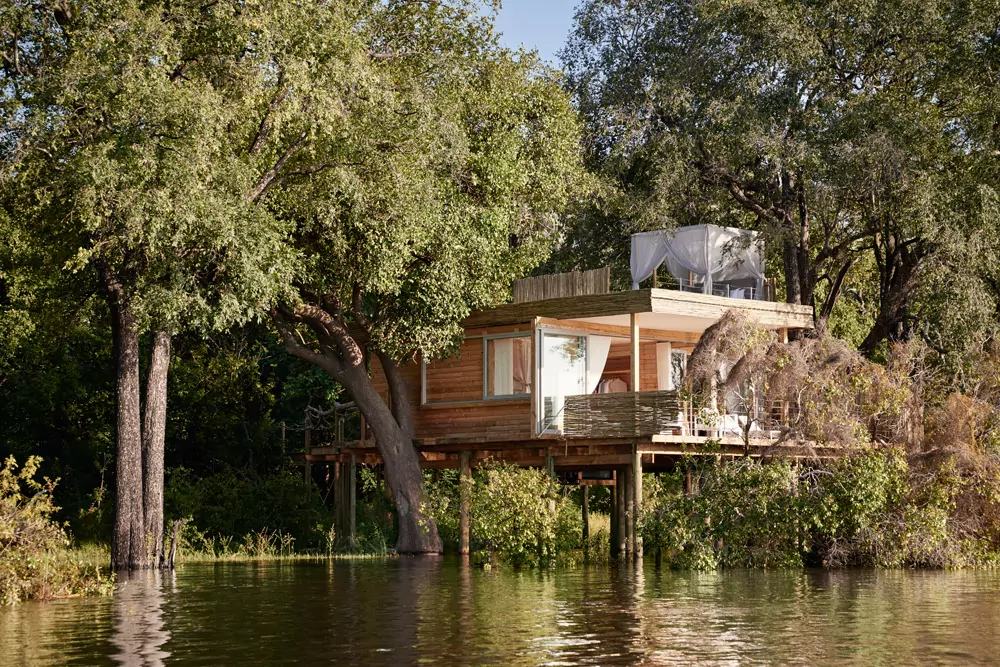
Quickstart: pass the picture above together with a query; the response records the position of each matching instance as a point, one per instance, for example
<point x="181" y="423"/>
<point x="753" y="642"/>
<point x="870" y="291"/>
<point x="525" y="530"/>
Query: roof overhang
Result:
<point x="659" y="308"/>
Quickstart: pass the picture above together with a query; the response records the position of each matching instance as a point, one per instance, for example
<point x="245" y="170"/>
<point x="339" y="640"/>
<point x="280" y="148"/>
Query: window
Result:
<point x="508" y="366"/>
<point x="563" y="373"/>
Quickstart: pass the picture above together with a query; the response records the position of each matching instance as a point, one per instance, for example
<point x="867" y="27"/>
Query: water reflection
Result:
<point x="410" y="611"/>
<point x="139" y="631"/>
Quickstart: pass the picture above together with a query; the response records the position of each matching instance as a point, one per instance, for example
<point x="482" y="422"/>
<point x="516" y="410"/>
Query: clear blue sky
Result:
<point x="538" y="24"/>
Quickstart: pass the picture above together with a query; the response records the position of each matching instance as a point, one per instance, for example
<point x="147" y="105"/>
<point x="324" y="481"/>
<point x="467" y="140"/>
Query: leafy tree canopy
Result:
<point x="841" y="131"/>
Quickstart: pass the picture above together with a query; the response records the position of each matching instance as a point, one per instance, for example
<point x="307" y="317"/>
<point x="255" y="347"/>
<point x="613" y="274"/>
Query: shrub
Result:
<point x="873" y="508"/>
<point x="230" y="505"/>
<point x="35" y="562"/>
<point x="518" y="516"/>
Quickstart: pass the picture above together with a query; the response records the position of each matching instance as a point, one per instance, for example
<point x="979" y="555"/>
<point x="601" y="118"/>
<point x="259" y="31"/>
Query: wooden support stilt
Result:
<point x="629" y="514"/>
<point x="621" y="491"/>
<point x="307" y="473"/>
<point x="352" y="501"/>
<point x="584" y="501"/>
<point x="613" y="538"/>
<point x="338" y="499"/>
<point x="464" y="499"/>
<point x="636" y="501"/>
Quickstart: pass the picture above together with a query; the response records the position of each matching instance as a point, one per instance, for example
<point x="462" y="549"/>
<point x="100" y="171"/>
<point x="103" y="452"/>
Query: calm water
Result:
<point x="431" y="611"/>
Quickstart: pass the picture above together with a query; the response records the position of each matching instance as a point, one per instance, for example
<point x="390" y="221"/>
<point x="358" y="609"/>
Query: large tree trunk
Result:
<point x="418" y="532"/>
<point x="341" y="357"/>
<point x="128" y="548"/>
<point x="153" y="434"/>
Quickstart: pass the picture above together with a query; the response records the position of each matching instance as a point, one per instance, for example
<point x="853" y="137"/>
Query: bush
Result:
<point x="228" y="506"/>
<point x="35" y="562"/>
<point x="873" y="508"/>
<point x="518" y="516"/>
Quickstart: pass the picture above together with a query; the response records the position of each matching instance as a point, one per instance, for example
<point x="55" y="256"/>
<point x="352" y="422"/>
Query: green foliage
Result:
<point x="873" y="508"/>
<point x="35" y="562"/>
<point x="430" y="192"/>
<point x="856" y="159"/>
<point x="230" y="505"/>
<point x="518" y="517"/>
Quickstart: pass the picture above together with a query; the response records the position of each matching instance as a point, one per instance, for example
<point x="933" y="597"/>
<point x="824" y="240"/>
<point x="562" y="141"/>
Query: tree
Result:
<point x="119" y="162"/>
<point x="838" y="130"/>
<point x="440" y="178"/>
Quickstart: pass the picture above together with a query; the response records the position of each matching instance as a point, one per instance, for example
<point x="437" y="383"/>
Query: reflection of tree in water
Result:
<point x="139" y="632"/>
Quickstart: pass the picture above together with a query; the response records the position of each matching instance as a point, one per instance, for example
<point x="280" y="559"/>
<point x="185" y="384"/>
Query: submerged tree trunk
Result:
<point x="128" y="548"/>
<point x="153" y="434"/>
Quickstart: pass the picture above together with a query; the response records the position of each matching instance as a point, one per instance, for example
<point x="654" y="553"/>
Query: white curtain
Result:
<point x="503" y="366"/>
<point x="663" y="374"/>
<point x="713" y="254"/>
<point x="597" y="356"/>
<point x="649" y="249"/>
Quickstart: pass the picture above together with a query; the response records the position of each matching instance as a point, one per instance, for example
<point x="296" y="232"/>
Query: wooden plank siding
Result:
<point x="455" y="407"/>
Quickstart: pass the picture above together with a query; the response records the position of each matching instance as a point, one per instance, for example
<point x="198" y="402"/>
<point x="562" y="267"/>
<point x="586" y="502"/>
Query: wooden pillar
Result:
<point x="308" y="472"/>
<point x="621" y="491"/>
<point x="584" y="501"/>
<point x="464" y="499"/>
<point x="613" y="538"/>
<point x="783" y="337"/>
<point x="629" y="514"/>
<point x="634" y="354"/>
<point x="636" y="488"/>
<point x="338" y="498"/>
<point x="352" y="501"/>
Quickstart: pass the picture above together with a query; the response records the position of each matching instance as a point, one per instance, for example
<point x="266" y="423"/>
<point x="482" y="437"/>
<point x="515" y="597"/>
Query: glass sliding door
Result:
<point x="563" y="372"/>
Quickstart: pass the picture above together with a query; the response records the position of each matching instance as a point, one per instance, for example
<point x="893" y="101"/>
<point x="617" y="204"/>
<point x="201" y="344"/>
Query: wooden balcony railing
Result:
<point x="621" y="415"/>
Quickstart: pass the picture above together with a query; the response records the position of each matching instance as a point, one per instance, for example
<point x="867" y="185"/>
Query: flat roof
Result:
<point x="680" y="311"/>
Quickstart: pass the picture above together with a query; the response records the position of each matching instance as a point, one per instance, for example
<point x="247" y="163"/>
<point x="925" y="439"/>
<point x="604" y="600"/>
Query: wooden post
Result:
<point x="629" y="550"/>
<point x="613" y="538"/>
<point x="783" y="337"/>
<point x="338" y="499"/>
<point x="585" y="492"/>
<point x="308" y="469"/>
<point x="352" y="501"/>
<point x="636" y="501"/>
<point x="464" y="499"/>
<point x="282" y="438"/>
<point x="621" y="539"/>
<point x="634" y="354"/>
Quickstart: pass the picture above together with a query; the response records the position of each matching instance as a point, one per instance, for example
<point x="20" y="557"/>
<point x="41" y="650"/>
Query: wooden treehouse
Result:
<point x="583" y="381"/>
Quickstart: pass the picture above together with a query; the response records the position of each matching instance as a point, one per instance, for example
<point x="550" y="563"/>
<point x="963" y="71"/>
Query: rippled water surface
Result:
<point x="406" y="611"/>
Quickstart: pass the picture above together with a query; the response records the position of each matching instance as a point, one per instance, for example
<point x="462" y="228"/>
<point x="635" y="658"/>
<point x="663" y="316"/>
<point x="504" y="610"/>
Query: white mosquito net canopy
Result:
<point x="702" y="256"/>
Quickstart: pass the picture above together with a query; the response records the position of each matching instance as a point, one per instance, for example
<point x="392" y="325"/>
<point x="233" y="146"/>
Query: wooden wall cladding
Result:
<point x="455" y="408"/>
<point x="459" y="377"/>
